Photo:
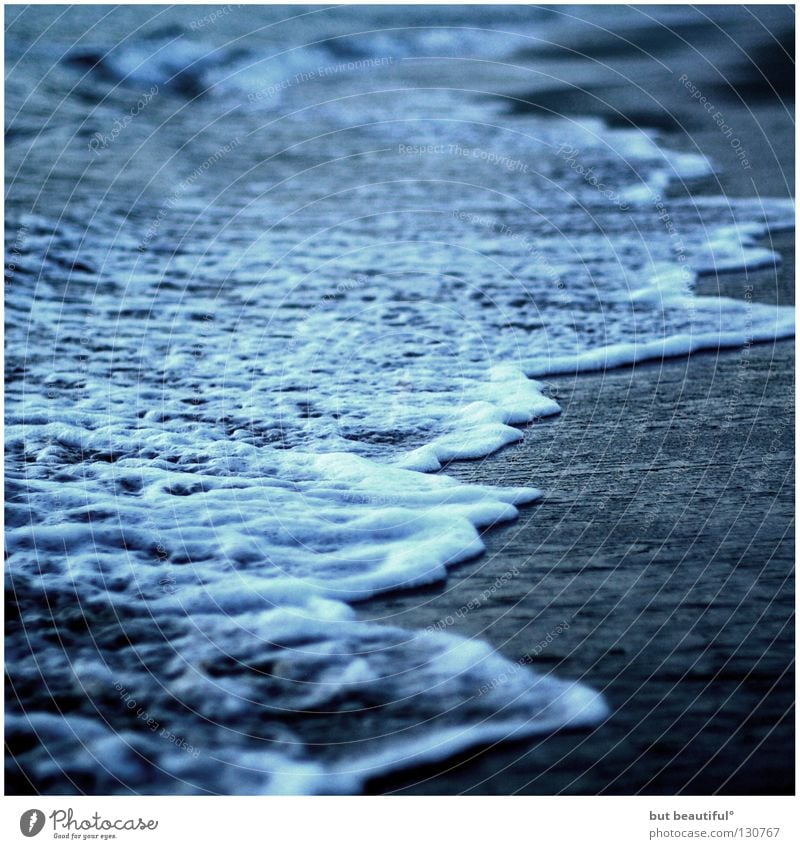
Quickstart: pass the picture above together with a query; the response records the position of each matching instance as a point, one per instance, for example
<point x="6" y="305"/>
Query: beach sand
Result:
<point x="658" y="566"/>
<point x="671" y="567"/>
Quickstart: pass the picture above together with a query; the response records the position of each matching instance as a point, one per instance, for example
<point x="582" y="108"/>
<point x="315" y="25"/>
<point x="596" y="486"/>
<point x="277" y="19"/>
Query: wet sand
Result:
<point x="658" y="566"/>
<point x="671" y="566"/>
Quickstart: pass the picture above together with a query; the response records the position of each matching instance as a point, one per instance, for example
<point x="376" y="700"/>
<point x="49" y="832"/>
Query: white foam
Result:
<point x="420" y="680"/>
<point x="218" y="449"/>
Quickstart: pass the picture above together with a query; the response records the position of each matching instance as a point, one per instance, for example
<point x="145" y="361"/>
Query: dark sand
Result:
<point x="665" y="539"/>
<point x="672" y="566"/>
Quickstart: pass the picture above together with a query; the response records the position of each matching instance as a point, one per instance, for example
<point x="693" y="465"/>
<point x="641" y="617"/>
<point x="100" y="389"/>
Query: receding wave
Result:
<point x="232" y="384"/>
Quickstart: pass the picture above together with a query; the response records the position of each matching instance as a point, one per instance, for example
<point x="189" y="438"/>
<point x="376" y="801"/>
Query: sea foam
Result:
<point x="227" y="401"/>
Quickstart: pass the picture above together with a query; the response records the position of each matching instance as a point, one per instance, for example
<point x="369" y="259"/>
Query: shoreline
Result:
<point x="169" y="461"/>
<point x="609" y="585"/>
<point x="685" y="627"/>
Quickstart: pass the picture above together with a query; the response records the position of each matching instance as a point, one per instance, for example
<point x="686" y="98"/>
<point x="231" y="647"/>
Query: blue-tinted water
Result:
<point x="267" y="270"/>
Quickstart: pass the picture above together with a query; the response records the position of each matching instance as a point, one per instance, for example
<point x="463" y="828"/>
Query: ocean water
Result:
<point x="267" y="271"/>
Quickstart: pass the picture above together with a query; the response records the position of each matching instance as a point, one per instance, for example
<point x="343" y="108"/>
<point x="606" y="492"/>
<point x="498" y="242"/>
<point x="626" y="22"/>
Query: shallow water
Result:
<point x="265" y="274"/>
